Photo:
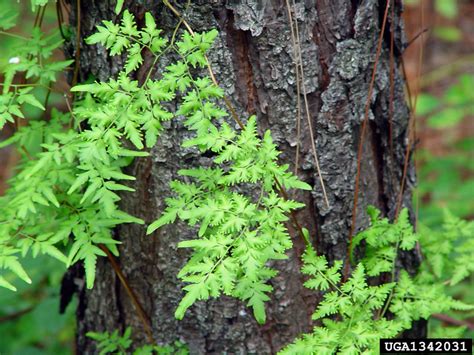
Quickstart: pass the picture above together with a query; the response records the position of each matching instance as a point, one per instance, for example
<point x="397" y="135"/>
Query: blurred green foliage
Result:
<point x="8" y="15"/>
<point x="447" y="33"/>
<point x="30" y="322"/>
<point x="447" y="8"/>
<point x="447" y="180"/>
<point x="451" y="107"/>
<point x="445" y="189"/>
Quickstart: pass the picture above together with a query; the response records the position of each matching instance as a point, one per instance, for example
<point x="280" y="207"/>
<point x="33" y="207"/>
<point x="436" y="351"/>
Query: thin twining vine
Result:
<point x="362" y="140"/>
<point x="301" y="88"/>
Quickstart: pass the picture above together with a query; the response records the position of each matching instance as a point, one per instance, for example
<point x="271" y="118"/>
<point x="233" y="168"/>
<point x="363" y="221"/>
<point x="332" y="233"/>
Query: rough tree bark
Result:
<point x="254" y="62"/>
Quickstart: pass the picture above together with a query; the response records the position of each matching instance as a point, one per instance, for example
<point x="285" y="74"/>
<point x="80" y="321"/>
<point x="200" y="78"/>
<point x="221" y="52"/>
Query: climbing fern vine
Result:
<point x="354" y="315"/>
<point x="63" y="199"/>
<point x="66" y="191"/>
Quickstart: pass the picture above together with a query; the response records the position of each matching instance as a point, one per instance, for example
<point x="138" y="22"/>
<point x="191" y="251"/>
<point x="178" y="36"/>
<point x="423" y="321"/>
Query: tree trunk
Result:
<point x="253" y="59"/>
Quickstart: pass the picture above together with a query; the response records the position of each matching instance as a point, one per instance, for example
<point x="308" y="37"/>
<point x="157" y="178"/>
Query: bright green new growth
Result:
<point x="352" y="313"/>
<point x="238" y="234"/>
<point x="64" y="200"/>
<point x="67" y="189"/>
<point x="69" y="176"/>
<point x="380" y="253"/>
